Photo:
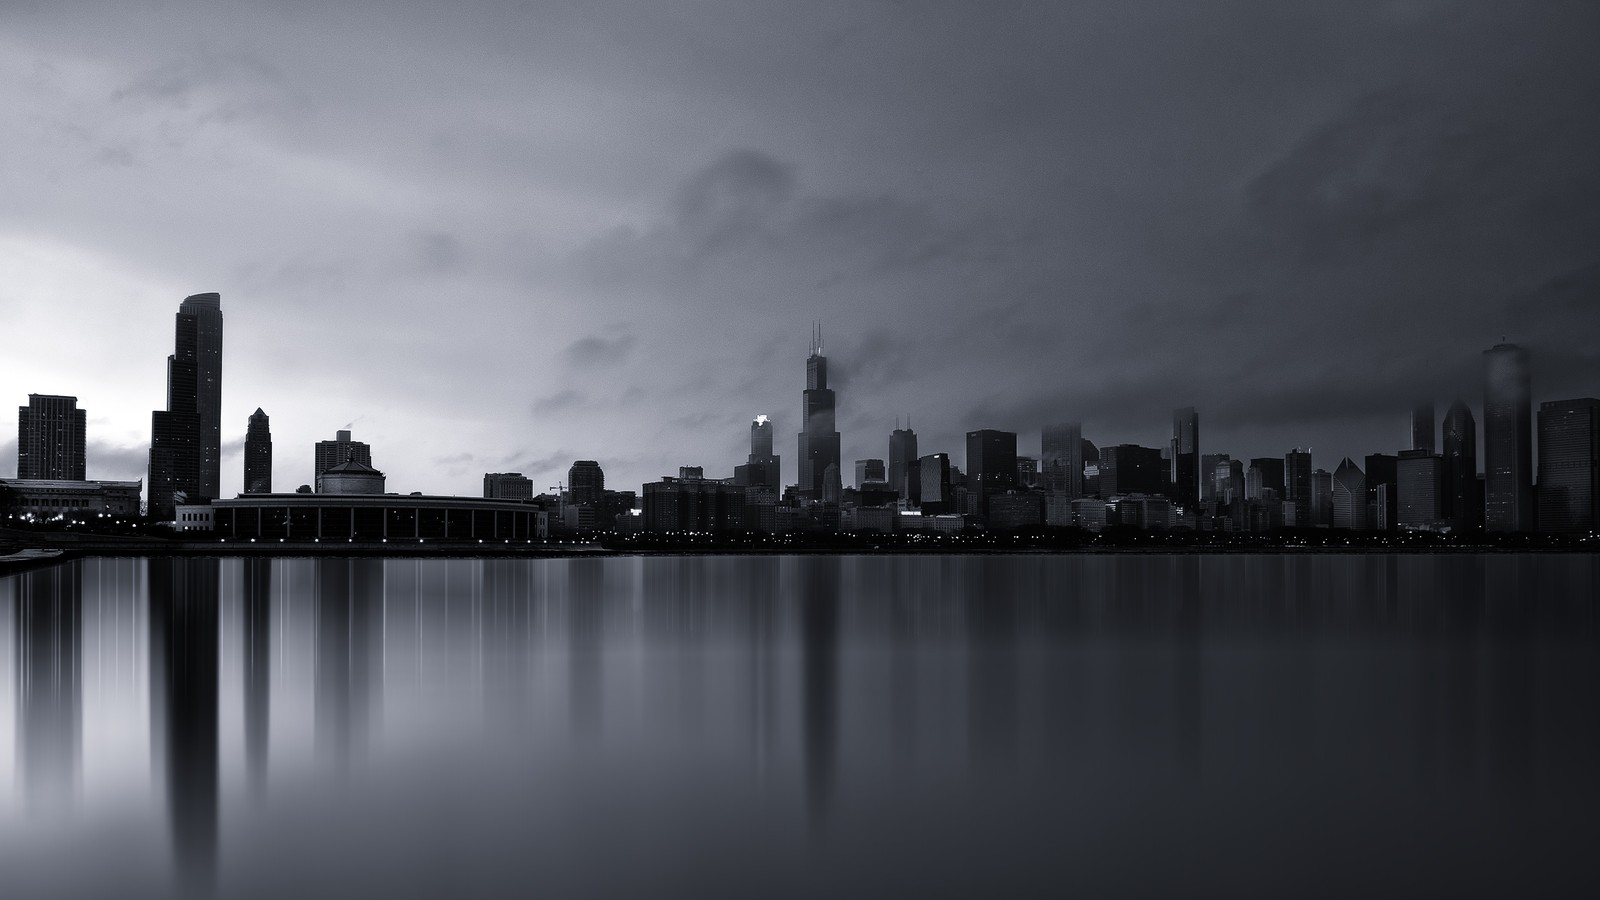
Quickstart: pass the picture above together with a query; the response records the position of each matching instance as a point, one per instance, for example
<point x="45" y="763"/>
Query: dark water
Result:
<point x="877" y="726"/>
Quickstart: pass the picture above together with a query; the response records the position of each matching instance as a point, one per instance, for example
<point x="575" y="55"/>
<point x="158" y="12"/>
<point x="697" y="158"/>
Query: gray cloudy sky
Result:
<point x="503" y="236"/>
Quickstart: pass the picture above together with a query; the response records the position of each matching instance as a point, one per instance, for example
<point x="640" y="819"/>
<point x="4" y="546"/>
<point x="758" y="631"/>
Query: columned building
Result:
<point x="1507" y="439"/>
<point x="50" y="438"/>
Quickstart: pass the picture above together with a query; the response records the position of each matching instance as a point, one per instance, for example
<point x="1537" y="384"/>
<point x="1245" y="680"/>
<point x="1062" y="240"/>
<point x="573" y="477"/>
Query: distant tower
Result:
<point x="186" y="437"/>
<point x="1507" y="439"/>
<point x="1349" y="490"/>
<point x="1569" y="465"/>
<point x="586" y="483"/>
<point x="258" y="455"/>
<point x="991" y="463"/>
<point x="1459" y="499"/>
<point x="1061" y="458"/>
<point x="338" y="451"/>
<point x="1186" y="455"/>
<point x="869" y="470"/>
<point x="1422" y="426"/>
<point x="50" y="438"/>
<point x="1297" y="484"/>
<point x="763" y="468"/>
<point x="819" y="441"/>
<point x="902" y="459"/>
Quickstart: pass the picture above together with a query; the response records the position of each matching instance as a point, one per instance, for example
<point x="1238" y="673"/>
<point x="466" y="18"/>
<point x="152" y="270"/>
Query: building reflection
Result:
<point x="349" y="657"/>
<point x="257" y="664"/>
<point x="585" y="626"/>
<point x="819" y="584"/>
<point x="990" y="592"/>
<point x="183" y="706"/>
<point x="48" y="681"/>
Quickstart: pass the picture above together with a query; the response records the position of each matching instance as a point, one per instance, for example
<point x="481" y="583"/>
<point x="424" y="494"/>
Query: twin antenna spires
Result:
<point x="816" y="338"/>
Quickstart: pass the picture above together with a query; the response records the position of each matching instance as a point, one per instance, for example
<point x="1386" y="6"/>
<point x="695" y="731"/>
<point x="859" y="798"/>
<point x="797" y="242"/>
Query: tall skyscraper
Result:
<point x="1382" y="491"/>
<point x="1460" y="497"/>
<point x="186" y="437"/>
<point x="1271" y="469"/>
<point x="1507" y="439"/>
<point x="933" y="473"/>
<point x="1418" y="477"/>
<point x="1185" y="456"/>
<point x="1349" y="496"/>
<point x="1569" y="465"/>
<point x="762" y="469"/>
<point x="258" y="455"/>
<point x="902" y="457"/>
<point x="1422" y="426"/>
<point x="1061" y="458"/>
<point x="1297" y="484"/>
<point x="50" y="438"/>
<point x="586" y="483"/>
<point x="991" y="462"/>
<point x="1131" y="469"/>
<point x="819" y="442"/>
<point x="338" y="451"/>
<point x="869" y="470"/>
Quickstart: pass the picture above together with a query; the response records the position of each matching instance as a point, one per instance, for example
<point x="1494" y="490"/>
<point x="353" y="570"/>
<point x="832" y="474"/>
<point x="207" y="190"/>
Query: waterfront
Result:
<point x="862" y="725"/>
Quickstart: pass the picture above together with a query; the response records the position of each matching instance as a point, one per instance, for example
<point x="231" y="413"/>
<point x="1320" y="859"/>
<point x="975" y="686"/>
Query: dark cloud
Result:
<point x="594" y="350"/>
<point x="560" y="400"/>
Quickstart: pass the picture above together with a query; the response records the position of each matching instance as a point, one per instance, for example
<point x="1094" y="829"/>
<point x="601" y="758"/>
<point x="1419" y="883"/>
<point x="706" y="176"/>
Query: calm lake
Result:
<point x="965" y="726"/>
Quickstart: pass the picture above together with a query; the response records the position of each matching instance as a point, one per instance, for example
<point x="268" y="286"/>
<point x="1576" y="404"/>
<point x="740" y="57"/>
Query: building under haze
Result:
<point x="1185" y="456"/>
<point x="339" y="450"/>
<point x="1507" y="439"/>
<point x="902" y="459"/>
<point x="819" y="441"/>
<point x="1461" y="491"/>
<point x="258" y="455"/>
<point x="186" y="437"/>
<point x="1131" y="469"/>
<point x="1419" y="480"/>
<point x="868" y="470"/>
<point x="1569" y="465"/>
<point x="50" y="438"/>
<point x="991" y="463"/>
<point x="1422" y="426"/>
<point x="934" y="489"/>
<point x="1297" y="485"/>
<point x="1061" y="458"/>
<point x="1349" y="496"/>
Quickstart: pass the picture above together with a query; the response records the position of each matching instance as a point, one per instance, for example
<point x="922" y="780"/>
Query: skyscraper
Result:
<point x="1507" y="439"/>
<point x="1297" y="484"/>
<point x="1422" y="426"/>
<point x="1271" y="469"/>
<point x="1185" y="456"/>
<point x="762" y="469"/>
<point x="902" y="457"/>
<point x="50" y="438"/>
<point x="338" y="451"/>
<point x="991" y="462"/>
<point x="186" y="437"/>
<point x="1382" y="491"/>
<point x="869" y="470"/>
<point x="819" y="442"/>
<point x="933" y="473"/>
<point x="258" y="455"/>
<point x="1061" y="458"/>
<point x="1131" y="469"/>
<point x="586" y="483"/>
<point x="1418" y="481"/>
<point x="1460" y="499"/>
<point x="1569" y="465"/>
<point x="1349" y="496"/>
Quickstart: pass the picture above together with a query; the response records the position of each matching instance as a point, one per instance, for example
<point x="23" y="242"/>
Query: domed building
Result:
<point x="350" y="477"/>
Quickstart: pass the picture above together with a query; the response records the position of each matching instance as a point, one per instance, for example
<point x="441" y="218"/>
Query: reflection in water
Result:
<point x="183" y="706"/>
<point x="994" y="725"/>
<point x="48" y="680"/>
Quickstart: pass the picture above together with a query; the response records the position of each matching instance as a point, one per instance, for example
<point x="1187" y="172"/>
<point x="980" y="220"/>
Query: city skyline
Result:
<point x="1006" y="218"/>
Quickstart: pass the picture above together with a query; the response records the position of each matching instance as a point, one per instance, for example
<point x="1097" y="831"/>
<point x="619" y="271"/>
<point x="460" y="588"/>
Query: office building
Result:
<point x="1349" y="496"/>
<point x="507" y="486"/>
<point x="1131" y="469"/>
<point x="934" y="488"/>
<point x="1382" y="491"/>
<point x="1507" y="439"/>
<point x="48" y="497"/>
<point x="186" y="437"/>
<point x="1422" y="426"/>
<point x="258" y="455"/>
<point x="902" y="457"/>
<point x="991" y="463"/>
<point x="819" y="441"/>
<point x="1297" y="484"/>
<point x="1461" y="498"/>
<point x="1184" y="456"/>
<point x="1271" y="474"/>
<point x="1569" y="465"/>
<point x="1419" y="478"/>
<point x="362" y="516"/>
<point x="1061" y="458"/>
<point x="870" y="470"/>
<point x="586" y="483"/>
<point x="50" y="438"/>
<point x="339" y="450"/>
<point x="1322" y="498"/>
<point x="762" y="468"/>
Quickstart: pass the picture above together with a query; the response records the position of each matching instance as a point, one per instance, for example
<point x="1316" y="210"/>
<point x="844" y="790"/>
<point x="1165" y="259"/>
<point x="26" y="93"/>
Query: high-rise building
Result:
<point x="1422" y="426"/>
<point x="1419" y="478"/>
<point x="1569" y="465"/>
<point x="258" y="455"/>
<point x="1382" y="491"/>
<point x="762" y="469"/>
<point x="186" y="437"/>
<point x="1349" y="496"/>
<point x="1507" y="439"/>
<point x="869" y="470"/>
<point x="933" y="473"/>
<point x="1461" y="499"/>
<point x="991" y="462"/>
<point x="50" y="438"/>
<point x="1297" y="484"/>
<point x="507" y="486"/>
<point x="338" y="451"/>
<point x="1322" y="498"/>
<point x="760" y="438"/>
<point x="819" y="441"/>
<point x="1184" y="454"/>
<point x="1271" y="469"/>
<point x="586" y="483"/>
<point x="902" y="457"/>
<point x="1131" y="469"/>
<point x="1061" y="458"/>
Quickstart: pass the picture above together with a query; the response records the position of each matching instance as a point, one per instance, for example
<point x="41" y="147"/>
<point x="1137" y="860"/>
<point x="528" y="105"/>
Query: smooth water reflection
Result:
<point x="861" y="725"/>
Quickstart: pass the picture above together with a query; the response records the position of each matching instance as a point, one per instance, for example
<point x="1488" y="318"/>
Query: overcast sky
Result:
<point x="504" y="236"/>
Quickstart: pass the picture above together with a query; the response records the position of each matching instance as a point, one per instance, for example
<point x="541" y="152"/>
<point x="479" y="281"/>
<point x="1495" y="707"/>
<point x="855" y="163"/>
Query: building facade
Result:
<point x="1061" y="458"/>
<point x="1462" y="493"/>
<point x="1569" y="465"/>
<point x="991" y="463"/>
<point x="1184" y="454"/>
<point x="1349" y="496"/>
<point x="258" y="454"/>
<point x="339" y="450"/>
<point x="50" y="438"/>
<point x="902" y="459"/>
<point x="186" y="437"/>
<point x="1507" y="439"/>
<point x="819" y="440"/>
<point x="507" y="486"/>
<point x="1422" y="426"/>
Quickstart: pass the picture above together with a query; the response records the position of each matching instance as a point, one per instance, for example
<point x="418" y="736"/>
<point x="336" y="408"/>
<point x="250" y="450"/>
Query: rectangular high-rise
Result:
<point x="258" y="454"/>
<point x="338" y="451"/>
<point x="991" y="462"/>
<point x="1297" y="484"/>
<point x="1419" y="480"/>
<point x="1462" y="498"/>
<point x="819" y="440"/>
<point x="1569" y="465"/>
<point x="50" y="438"/>
<point x="1423" y="426"/>
<point x="1185" y="456"/>
<point x="1131" y="469"/>
<point x="902" y="459"/>
<point x="1507" y="439"/>
<point x="1061" y="458"/>
<point x="186" y="437"/>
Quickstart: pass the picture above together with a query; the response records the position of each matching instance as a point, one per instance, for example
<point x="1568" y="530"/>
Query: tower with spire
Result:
<point x="819" y="440"/>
